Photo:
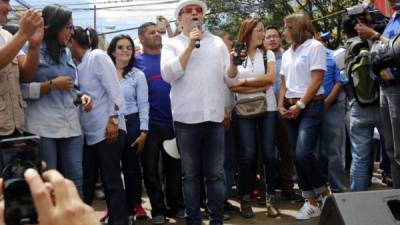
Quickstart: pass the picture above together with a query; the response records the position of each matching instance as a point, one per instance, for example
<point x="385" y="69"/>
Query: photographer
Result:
<point x="390" y="94"/>
<point x="56" y="199"/>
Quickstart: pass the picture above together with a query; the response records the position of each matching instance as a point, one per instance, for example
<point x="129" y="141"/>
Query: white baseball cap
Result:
<point x="182" y="4"/>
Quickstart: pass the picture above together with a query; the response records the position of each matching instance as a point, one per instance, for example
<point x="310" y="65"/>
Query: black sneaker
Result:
<point x="291" y="195"/>
<point x="245" y="207"/>
<point x="228" y="207"/>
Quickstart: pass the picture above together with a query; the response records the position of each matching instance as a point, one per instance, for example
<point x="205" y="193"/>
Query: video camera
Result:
<point x="368" y="16"/>
<point x="385" y="59"/>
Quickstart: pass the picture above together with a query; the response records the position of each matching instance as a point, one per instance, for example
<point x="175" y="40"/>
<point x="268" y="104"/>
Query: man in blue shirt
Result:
<point x="160" y="129"/>
<point x="333" y="126"/>
<point x="390" y="95"/>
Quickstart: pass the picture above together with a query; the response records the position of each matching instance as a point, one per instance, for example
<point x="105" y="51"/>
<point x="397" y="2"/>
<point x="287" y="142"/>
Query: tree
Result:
<point x="228" y="14"/>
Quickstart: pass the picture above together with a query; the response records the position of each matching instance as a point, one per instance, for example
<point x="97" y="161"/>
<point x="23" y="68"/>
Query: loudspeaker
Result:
<point x="362" y="208"/>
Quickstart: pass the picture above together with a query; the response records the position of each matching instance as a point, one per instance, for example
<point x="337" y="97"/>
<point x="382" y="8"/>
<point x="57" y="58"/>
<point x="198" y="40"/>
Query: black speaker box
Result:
<point x="362" y="208"/>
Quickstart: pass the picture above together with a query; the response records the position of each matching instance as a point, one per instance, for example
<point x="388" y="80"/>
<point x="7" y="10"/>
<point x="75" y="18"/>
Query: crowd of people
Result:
<point x="239" y="112"/>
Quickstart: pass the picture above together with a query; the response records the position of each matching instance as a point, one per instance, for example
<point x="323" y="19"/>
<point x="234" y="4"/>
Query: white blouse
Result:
<point x="256" y="69"/>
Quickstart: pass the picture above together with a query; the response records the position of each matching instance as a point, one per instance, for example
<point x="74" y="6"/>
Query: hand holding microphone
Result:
<point x="196" y="33"/>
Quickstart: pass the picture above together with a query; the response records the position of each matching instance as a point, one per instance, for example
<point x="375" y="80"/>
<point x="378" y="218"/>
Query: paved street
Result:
<point x="288" y="210"/>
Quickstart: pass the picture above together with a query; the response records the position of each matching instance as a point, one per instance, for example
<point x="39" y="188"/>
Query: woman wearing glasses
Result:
<point x="134" y="86"/>
<point x="51" y="112"/>
<point x="104" y="126"/>
<point x="255" y="78"/>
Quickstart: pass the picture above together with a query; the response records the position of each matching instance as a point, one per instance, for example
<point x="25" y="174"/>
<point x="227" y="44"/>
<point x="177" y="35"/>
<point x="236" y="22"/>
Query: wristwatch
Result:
<point x="300" y="105"/>
<point x="376" y="36"/>
<point x="114" y="120"/>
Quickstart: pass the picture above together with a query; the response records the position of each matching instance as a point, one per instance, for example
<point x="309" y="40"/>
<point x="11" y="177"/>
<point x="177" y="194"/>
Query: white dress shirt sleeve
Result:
<point x="171" y="68"/>
<point x="30" y="90"/>
<point x="227" y="59"/>
<point x="107" y="74"/>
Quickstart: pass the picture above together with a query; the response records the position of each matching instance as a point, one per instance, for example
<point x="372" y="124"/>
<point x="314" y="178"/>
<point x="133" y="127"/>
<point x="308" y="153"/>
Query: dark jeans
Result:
<point x="130" y="163"/>
<point x="107" y="157"/>
<point x="230" y="161"/>
<point x="303" y="134"/>
<point x="285" y="163"/>
<point x="171" y="170"/>
<point x="247" y="153"/>
<point x="390" y="114"/>
<point x="201" y="147"/>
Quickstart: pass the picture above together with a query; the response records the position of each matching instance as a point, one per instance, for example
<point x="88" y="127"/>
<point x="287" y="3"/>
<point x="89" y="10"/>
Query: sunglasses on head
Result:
<point x="189" y="10"/>
<point x="121" y="47"/>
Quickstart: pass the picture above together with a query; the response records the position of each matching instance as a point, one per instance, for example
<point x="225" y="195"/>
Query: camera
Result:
<point x="371" y="17"/>
<point x="16" y="156"/>
<point x="385" y="59"/>
<point x="239" y="47"/>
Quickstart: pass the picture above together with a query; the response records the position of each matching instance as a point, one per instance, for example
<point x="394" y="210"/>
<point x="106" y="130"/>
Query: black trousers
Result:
<point x="171" y="170"/>
<point x="107" y="157"/>
<point x="130" y="163"/>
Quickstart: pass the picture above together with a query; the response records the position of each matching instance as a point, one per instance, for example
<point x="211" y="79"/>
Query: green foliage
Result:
<point x="228" y="14"/>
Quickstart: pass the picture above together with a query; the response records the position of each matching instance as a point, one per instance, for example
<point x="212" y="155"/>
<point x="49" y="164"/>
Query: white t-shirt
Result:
<point x="297" y="66"/>
<point x="255" y="70"/>
<point x="5" y="36"/>
<point x="339" y="56"/>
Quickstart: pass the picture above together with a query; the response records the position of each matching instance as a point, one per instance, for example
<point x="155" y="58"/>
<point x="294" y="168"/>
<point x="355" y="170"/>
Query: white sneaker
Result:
<point x="308" y="211"/>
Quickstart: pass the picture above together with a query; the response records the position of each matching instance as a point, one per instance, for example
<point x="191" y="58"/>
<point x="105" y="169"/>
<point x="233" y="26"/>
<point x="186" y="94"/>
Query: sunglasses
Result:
<point x="122" y="47"/>
<point x="189" y="10"/>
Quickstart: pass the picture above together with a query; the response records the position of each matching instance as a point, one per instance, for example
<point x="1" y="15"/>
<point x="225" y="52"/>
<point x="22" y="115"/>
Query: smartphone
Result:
<point x="161" y="26"/>
<point x="16" y="156"/>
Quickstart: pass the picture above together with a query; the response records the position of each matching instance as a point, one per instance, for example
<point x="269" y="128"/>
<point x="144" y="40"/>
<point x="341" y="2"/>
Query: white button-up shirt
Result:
<point x="297" y="66"/>
<point x="97" y="77"/>
<point x="198" y="92"/>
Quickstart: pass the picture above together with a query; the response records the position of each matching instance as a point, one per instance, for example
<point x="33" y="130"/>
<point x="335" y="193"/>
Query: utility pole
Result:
<point x="94" y="19"/>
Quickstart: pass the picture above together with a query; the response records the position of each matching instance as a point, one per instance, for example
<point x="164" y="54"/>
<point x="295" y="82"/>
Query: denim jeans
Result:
<point x="130" y="163"/>
<point x="390" y="113"/>
<point x="107" y="157"/>
<point x="201" y="147"/>
<point x="65" y="155"/>
<point x="363" y="120"/>
<point x="230" y="161"/>
<point x="285" y="159"/>
<point x="247" y="153"/>
<point x="330" y="148"/>
<point x="303" y="134"/>
<point x="171" y="169"/>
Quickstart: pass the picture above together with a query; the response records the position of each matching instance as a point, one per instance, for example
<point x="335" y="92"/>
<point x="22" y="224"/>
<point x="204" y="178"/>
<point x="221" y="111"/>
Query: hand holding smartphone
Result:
<point x="16" y="156"/>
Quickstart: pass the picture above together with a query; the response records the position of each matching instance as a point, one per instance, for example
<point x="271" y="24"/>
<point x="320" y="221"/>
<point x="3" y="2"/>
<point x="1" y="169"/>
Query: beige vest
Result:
<point x="11" y="103"/>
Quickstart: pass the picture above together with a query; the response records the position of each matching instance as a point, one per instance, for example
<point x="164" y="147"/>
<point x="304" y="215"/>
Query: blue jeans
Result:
<point x="201" y="147"/>
<point x="303" y="134"/>
<point x="330" y="155"/>
<point x="229" y="162"/>
<point x="247" y="153"/>
<point x="390" y="113"/>
<point x="363" y="120"/>
<point x="65" y="155"/>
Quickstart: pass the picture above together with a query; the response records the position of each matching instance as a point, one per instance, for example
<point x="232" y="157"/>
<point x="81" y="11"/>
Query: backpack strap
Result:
<point x="265" y="58"/>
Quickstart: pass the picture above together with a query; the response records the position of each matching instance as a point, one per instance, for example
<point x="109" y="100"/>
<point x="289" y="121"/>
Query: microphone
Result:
<point x="196" y="24"/>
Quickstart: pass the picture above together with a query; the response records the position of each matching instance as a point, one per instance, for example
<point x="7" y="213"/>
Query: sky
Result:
<point x="125" y="14"/>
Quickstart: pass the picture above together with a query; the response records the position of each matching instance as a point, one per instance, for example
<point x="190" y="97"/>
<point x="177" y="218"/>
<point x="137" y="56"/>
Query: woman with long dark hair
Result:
<point x="51" y="112"/>
<point x="256" y="77"/>
<point x="104" y="127"/>
<point x="301" y="104"/>
<point x="134" y="86"/>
